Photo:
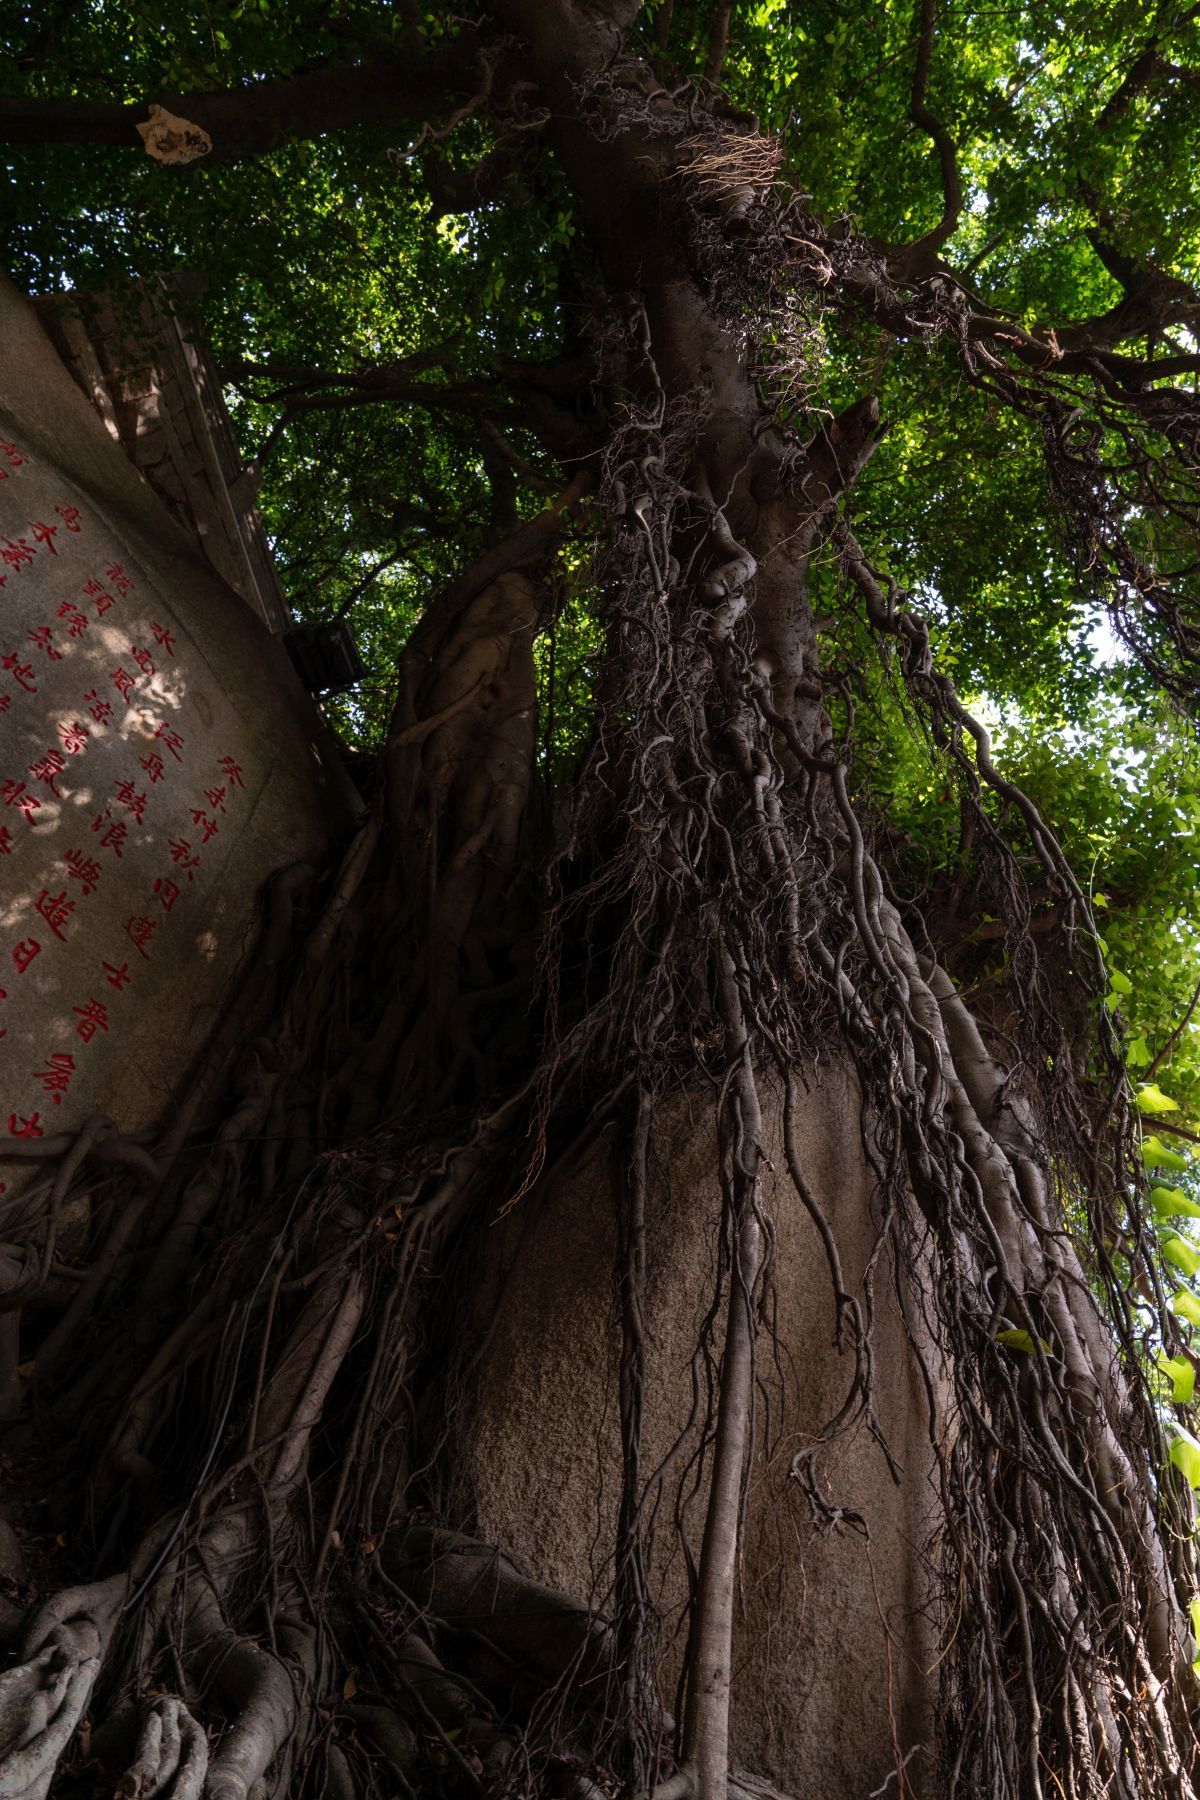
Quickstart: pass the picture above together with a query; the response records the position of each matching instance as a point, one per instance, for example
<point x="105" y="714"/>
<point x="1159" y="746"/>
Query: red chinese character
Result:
<point x="166" y="890"/>
<point x="83" y="869"/>
<point x="134" y="803"/>
<point x="28" y="1128"/>
<point x="78" y="620"/>
<point x="21" y="672"/>
<point x="24" y="952"/>
<point x="13" y="456"/>
<point x="181" y="852"/>
<point x="139" y="933"/>
<point x="17" y="554"/>
<point x="92" y="1018"/>
<point x="74" y="736"/>
<point x="142" y="659"/>
<point x="154" y="767"/>
<point x="48" y="770"/>
<point x="56" y="1076"/>
<point x="94" y="591"/>
<point x="14" y="793"/>
<point x="163" y="638"/>
<point x="6" y="841"/>
<point x="120" y="580"/>
<point x="216" y="798"/>
<point x="5" y="702"/>
<point x="117" y="977"/>
<point x="123" y="682"/>
<point x="207" y="826"/>
<point x="41" y="638"/>
<point x="70" y="516"/>
<point x="56" y="909"/>
<point x="101" y="710"/>
<point x="231" y="771"/>
<point x="171" y="740"/>
<point x="115" y="832"/>
<point x="45" y="534"/>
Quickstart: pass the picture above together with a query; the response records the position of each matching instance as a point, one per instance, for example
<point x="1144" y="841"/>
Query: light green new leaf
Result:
<point x="1020" y="1340"/>
<point x="1155" y="1155"/>
<point x="1185" y="1454"/>
<point x="1183" y="1377"/>
<point x="1173" y="1203"/>
<point x="1151" y="1099"/>
<point x="1185" y="1256"/>
<point x="1185" y="1305"/>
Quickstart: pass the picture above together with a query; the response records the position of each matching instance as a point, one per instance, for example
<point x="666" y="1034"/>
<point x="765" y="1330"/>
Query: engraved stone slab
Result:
<point x="157" y="761"/>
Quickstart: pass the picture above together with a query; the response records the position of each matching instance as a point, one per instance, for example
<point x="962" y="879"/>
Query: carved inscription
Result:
<point x="125" y="780"/>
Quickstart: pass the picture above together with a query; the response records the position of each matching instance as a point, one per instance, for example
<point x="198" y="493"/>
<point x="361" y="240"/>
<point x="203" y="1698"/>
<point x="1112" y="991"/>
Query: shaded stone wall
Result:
<point x="158" y="760"/>
<point x="154" y="385"/>
<point x="835" y="1633"/>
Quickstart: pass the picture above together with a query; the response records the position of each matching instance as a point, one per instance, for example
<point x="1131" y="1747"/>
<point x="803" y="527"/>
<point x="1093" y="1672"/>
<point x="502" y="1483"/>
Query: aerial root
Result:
<point x="43" y="1698"/>
<point x="474" y="1586"/>
<point x="171" y="1758"/>
<point x="265" y="1695"/>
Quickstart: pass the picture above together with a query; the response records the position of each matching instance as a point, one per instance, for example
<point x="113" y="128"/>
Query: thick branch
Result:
<point x="921" y="114"/>
<point x="1150" y="65"/>
<point x="249" y="120"/>
<point x="718" y="41"/>
<point x="1151" y="301"/>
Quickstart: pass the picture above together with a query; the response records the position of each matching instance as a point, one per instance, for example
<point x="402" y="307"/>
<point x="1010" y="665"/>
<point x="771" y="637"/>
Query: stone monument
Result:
<point x="159" y="760"/>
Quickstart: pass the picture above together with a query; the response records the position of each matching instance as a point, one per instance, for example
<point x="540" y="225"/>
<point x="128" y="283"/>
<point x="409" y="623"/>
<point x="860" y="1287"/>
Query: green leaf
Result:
<point x="1183" y="1377"/>
<point x="1022" y="1340"/>
<point x="1185" y="1256"/>
<point x="1120" y="984"/>
<point x="1155" y="1155"/>
<point x="1185" y="1305"/>
<point x="1137" y="1053"/>
<point x="1185" y="1454"/>
<point x="1151" y="1099"/>
<point x="1173" y="1203"/>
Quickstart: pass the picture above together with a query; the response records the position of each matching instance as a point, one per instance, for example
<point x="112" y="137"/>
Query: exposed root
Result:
<point x="43" y="1697"/>
<point x="171" y="1759"/>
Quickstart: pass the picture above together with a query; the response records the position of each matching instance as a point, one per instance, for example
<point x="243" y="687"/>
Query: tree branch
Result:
<point x="1150" y="65"/>
<point x="306" y="389"/>
<point x="1164" y="1054"/>
<point x="1150" y="302"/>
<point x="921" y="114"/>
<point x="718" y="41"/>
<point x="252" y="119"/>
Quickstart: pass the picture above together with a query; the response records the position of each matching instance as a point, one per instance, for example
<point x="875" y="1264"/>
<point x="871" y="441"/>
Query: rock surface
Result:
<point x="835" y="1634"/>
<point x="158" y="761"/>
